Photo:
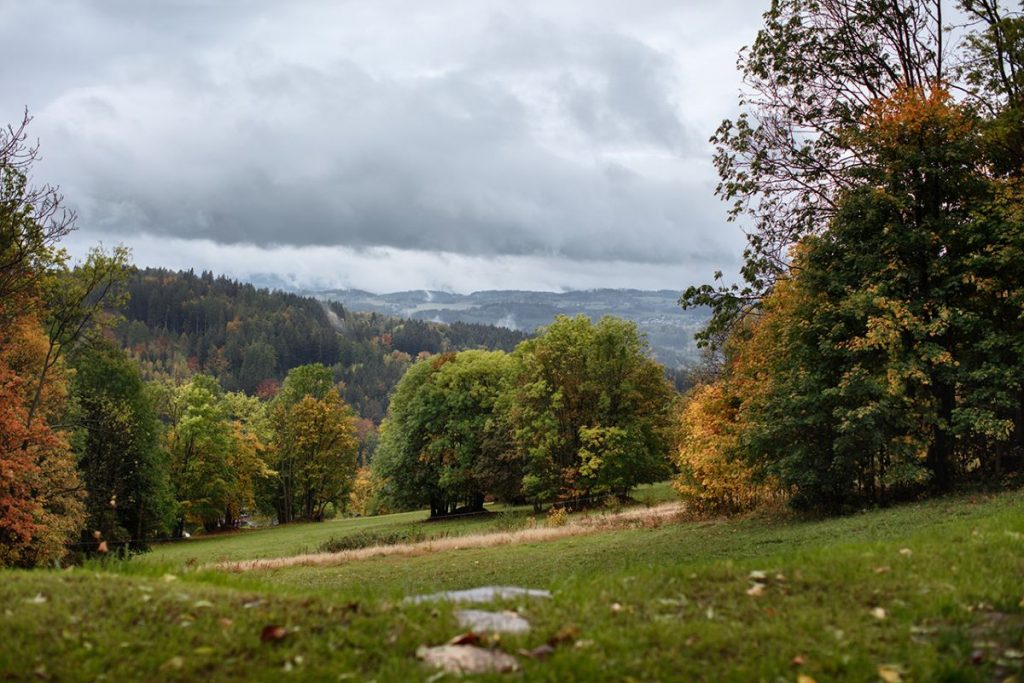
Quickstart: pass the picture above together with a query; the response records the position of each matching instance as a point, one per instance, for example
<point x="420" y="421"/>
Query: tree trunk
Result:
<point x="940" y="453"/>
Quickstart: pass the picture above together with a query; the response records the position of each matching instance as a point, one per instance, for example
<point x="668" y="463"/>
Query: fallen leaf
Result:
<point x="540" y="652"/>
<point x="890" y="673"/>
<point x="565" y="634"/>
<point x="468" y="638"/>
<point x="202" y="604"/>
<point x="756" y="590"/>
<point x="225" y="622"/>
<point x="173" y="663"/>
<point x="757" y="575"/>
<point x="467" y="659"/>
<point x="273" y="633"/>
<point x="1013" y="654"/>
<point x="879" y="613"/>
<point x="168" y="578"/>
<point x="906" y="552"/>
<point x="39" y="599"/>
<point x="885" y="569"/>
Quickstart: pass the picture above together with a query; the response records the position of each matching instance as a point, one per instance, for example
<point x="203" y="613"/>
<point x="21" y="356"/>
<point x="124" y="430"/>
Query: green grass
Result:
<point x="665" y="603"/>
<point x="296" y="539"/>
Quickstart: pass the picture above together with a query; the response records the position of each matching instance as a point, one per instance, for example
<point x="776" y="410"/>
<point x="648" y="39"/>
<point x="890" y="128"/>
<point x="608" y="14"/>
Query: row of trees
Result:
<point x="159" y="459"/>
<point x="93" y="456"/>
<point x="877" y="348"/>
<point x="577" y="412"/>
<point x="179" y="323"/>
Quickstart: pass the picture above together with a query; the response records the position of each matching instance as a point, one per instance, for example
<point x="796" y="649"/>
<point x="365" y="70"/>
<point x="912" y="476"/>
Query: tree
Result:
<point x="445" y="441"/>
<point x="124" y="470"/>
<point x="814" y="69"/>
<point x="33" y="221"/>
<point x="74" y="301"/>
<point x="711" y="478"/>
<point x="251" y="436"/>
<point x="199" y="442"/>
<point x="863" y="378"/>
<point x="315" y="444"/>
<point x="409" y="481"/>
<point x="40" y="493"/>
<point x="591" y="412"/>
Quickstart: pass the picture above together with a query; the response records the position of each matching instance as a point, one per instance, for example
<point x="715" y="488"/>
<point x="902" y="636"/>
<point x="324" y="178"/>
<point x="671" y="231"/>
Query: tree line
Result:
<point x="176" y="324"/>
<point x="874" y="351"/>
<point x="137" y="405"/>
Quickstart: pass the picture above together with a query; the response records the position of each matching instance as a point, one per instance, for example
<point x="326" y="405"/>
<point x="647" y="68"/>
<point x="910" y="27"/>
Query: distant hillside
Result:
<point x="177" y="324"/>
<point x="669" y="328"/>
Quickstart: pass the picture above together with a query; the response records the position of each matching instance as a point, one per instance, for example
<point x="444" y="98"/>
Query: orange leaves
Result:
<point x="710" y="480"/>
<point x="40" y="508"/>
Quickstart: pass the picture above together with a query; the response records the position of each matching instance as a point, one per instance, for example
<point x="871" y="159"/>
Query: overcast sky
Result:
<point x="386" y="144"/>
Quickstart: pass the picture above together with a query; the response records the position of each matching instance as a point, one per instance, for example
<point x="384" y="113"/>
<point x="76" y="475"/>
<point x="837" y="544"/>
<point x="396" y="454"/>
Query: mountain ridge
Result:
<point x="670" y="329"/>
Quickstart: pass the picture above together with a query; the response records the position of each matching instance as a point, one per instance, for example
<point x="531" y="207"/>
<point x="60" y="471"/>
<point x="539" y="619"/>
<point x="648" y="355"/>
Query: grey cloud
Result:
<point x="531" y="135"/>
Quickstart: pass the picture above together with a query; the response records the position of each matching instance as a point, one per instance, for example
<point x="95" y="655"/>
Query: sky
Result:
<point x="389" y="145"/>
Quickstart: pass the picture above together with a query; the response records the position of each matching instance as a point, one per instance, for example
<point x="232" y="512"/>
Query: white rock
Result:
<point x="481" y="594"/>
<point x="467" y="659"/>
<point x="481" y="621"/>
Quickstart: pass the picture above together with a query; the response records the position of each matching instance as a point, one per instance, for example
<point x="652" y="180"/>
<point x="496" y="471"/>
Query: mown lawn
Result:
<point x="932" y="591"/>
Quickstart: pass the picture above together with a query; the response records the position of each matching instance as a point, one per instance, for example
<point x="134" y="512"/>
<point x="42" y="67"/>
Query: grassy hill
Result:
<point x="931" y="591"/>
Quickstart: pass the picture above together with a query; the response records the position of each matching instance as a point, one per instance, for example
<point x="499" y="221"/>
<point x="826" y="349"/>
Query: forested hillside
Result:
<point x="178" y="324"/>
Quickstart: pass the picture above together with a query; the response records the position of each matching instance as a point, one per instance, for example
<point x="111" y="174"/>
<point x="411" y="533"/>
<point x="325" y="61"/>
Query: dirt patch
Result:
<point x="635" y="518"/>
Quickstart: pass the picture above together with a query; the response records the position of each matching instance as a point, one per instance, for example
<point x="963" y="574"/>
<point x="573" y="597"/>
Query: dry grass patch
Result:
<point x="652" y="517"/>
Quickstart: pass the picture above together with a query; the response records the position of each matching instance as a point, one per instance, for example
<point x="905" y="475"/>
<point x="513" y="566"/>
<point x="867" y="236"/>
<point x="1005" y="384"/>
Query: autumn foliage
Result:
<point x="711" y="479"/>
<point x="40" y="495"/>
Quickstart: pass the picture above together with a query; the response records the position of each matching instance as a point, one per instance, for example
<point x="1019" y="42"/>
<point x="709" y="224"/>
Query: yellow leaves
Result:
<point x="914" y="114"/>
<point x="890" y="673"/>
<point x="710" y="480"/>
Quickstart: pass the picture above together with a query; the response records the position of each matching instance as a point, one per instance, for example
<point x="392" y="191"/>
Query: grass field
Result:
<point x="932" y="591"/>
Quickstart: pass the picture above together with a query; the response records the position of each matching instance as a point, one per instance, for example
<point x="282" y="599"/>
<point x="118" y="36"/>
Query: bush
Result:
<point x="710" y="480"/>
<point x="510" y="521"/>
<point x="558" y="516"/>
<point x="369" y="539"/>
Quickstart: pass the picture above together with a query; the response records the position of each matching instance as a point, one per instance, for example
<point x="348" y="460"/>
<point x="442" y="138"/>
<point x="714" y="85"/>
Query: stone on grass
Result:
<point x="467" y="659"/>
<point x="481" y="621"/>
<point x="481" y="594"/>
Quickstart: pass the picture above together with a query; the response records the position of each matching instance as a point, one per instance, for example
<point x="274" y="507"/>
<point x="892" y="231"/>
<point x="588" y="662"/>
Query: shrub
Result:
<point x="558" y="516"/>
<point x="710" y="480"/>
<point x="369" y="539"/>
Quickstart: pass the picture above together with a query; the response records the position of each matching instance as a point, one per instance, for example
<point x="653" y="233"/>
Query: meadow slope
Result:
<point x="931" y="591"/>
